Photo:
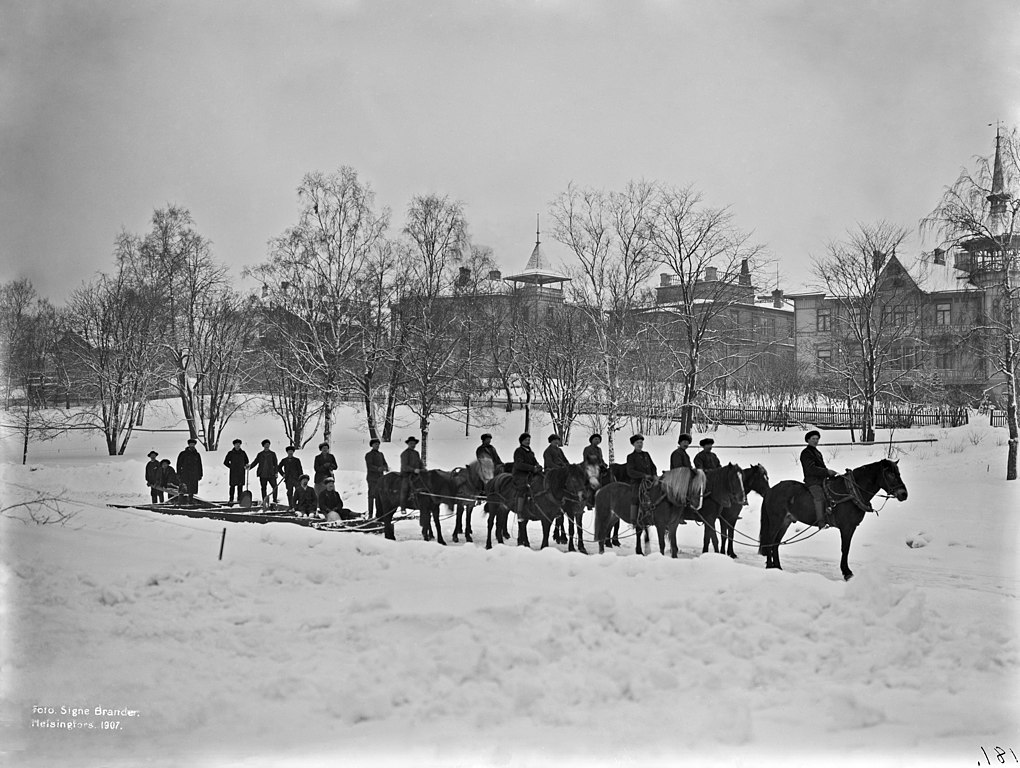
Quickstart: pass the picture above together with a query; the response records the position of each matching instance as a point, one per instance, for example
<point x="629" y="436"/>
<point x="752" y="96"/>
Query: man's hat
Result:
<point x="635" y="438"/>
<point x="683" y="437"/>
<point x="192" y="441"/>
<point x="151" y="454"/>
<point x="706" y="441"/>
<point x="486" y="435"/>
<point x="524" y="436"/>
<point x="329" y="480"/>
<point x="265" y="442"/>
<point x="304" y="477"/>
<point x="237" y="441"/>
<point x="411" y="439"/>
<point x="290" y="448"/>
<point x="596" y="436"/>
<point x="164" y="461"/>
<point x="374" y="441"/>
<point x="553" y="437"/>
<point x="812" y="433"/>
<point x="323" y="445"/>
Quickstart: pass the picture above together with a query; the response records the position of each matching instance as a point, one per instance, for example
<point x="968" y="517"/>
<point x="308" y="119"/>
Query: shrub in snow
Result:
<point x="918" y="540"/>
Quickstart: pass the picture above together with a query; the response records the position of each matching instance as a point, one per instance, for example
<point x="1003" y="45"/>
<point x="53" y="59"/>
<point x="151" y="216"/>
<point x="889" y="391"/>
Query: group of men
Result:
<point x="323" y="499"/>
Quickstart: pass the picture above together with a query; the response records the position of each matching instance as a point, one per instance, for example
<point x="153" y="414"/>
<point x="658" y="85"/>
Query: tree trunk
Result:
<point x="1012" y="426"/>
<point x="423" y="422"/>
<point x="327" y="418"/>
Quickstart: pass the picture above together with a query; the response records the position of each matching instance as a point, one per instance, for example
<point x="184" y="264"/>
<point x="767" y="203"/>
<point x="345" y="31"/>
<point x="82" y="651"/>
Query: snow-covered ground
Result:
<point x="310" y="648"/>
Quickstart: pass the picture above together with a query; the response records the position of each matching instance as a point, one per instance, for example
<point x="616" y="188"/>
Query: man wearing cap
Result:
<point x="375" y="468"/>
<point x="325" y="466"/>
<point x="639" y="467"/>
<point x="291" y="469"/>
<point x="488" y="450"/>
<point x="553" y="455"/>
<point x="305" y="501"/>
<point x="592" y="453"/>
<point x="152" y="478"/>
<point x="705" y="459"/>
<point x="237" y="462"/>
<point x="815" y="473"/>
<point x="411" y="465"/>
<point x="168" y="480"/>
<point x="525" y="465"/>
<point x="330" y="503"/>
<point x="679" y="457"/>
<point x="268" y="469"/>
<point x="189" y="470"/>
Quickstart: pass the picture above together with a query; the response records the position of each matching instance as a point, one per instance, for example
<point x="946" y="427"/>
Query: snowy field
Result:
<point x="311" y="648"/>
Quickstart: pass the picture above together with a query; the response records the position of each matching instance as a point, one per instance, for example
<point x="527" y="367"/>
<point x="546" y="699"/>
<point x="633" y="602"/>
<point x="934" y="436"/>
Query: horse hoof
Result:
<point x="616" y="542"/>
<point x="467" y="537"/>
<point x="848" y="575"/>
<point x="455" y="539"/>
<point x="442" y="542"/>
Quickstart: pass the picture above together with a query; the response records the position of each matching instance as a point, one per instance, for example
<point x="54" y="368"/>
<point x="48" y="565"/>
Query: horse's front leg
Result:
<point x="615" y="541"/>
<point x="637" y="535"/>
<point x="570" y="533"/>
<point x="522" y="533"/>
<point x="660" y="530"/>
<point x="846" y="533"/>
<point x="580" y="532"/>
<point x="546" y="527"/>
<point x="674" y="551"/>
<point x="424" y="523"/>
<point x="468" y="509"/>
<point x="491" y="515"/>
<point x="458" y="528"/>
<point x="439" y="528"/>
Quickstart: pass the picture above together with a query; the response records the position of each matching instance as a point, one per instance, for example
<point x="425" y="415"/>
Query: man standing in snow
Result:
<point x="189" y="470"/>
<point x="553" y="455"/>
<point x="815" y="474"/>
<point x="679" y="457"/>
<point x="268" y="469"/>
<point x="324" y="465"/>
<point x="237" y="462"/>
<point x="375" y="468"/>
<point x="705" y="459"/>
<point x="639" y="468"/>
<point x="291" y="469"/>
<point x="152" y="474"/>
<point x="525" y="465"/>
<point x="411" y="465"/>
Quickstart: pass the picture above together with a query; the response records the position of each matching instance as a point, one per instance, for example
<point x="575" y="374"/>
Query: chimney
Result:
<point x="664" y="279"/>
<point x="495" y="274"/>
<point x="745" y="273"/>
<point x="938" y="256"/>
<point x="711" y="274"/>
<point x="777" y="298"/>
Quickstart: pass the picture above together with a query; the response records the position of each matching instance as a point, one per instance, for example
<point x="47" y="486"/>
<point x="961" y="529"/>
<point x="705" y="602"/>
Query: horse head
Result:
<point x="733" y="479"/>
<point x="756" y="479"/>
<point x="890" y="481"/>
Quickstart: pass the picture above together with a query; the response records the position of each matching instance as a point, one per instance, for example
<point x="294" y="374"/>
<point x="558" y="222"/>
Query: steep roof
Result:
<point x="537" y="270"/>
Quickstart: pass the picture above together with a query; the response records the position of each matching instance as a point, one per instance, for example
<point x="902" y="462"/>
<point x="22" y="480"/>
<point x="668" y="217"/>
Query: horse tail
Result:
<point x="602" y="515"/>
<point x="696" y="492"/>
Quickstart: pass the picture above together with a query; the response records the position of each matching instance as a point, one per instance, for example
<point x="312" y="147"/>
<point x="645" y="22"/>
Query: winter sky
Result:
<point x="806" y="117"/>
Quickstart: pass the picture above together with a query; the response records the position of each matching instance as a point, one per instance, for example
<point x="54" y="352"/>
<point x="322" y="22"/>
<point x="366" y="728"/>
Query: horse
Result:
<point x="755" y="479"/>
<point x="452" y="488"/>
<point x="850" y="494"/>
<point x="615" y="473"/>
<point x="558" y="488"/>
<point x="665" y="497"/>
<point x="472" y="480"/>
<point x="560" y="536"/>
<point x="387" y="501"/>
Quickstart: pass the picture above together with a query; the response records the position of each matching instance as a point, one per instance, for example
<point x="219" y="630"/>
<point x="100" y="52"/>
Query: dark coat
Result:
<point x="592" y="454"/>
<point x="152" y="473"/>
<point x="679" y="458"/>
<point x="490" y="451"/>
<point x="525" y="463"/>
<point x="330" y="501"/>
<point x="410" y="460"/>
<point x="305" y="500"/>
<point x="291" y="469"/>
<point x="237" y="461"/>
<point x="189" y="466"/>
<point x="267" y="464"/>
<point x="706" y="460"/>
<point x="640" y="465"/>
<point x="375" y="465"/>
<point x="168" y="477"/>
<point x="554" y="457"/>
<point x="813" y="463"/>
<point x="324" y="466"/>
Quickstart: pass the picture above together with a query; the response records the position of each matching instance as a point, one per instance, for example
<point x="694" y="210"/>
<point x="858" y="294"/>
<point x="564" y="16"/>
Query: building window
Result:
<point x="944" y="360"/>
<point x="943" y="314"/>
<point x="824" y="322"/>
<point x="823" y="361"/>
<point x="903" y="359"/>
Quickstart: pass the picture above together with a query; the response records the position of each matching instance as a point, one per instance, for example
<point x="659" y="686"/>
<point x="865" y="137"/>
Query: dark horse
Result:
<point x="559" y="490"/>
<point x="457" y="488"/>
<point x="387" y="501"/>
<point x="613" y="503"/>
<point x="851" y="499"/>
<point x="714" y="507"/>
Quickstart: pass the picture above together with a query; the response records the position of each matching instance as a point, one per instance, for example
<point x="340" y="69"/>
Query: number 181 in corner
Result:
<point x="1001" y="756"/>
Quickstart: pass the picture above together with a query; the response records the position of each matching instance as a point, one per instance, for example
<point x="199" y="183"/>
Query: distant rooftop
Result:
<point x="537" y="270"/>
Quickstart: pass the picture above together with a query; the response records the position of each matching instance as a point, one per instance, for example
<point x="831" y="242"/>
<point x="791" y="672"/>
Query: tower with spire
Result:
<point x="539" y="286"/>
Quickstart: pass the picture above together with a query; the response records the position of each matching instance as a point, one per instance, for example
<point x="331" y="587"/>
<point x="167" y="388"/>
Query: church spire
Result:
<point x="999" y="196"/>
